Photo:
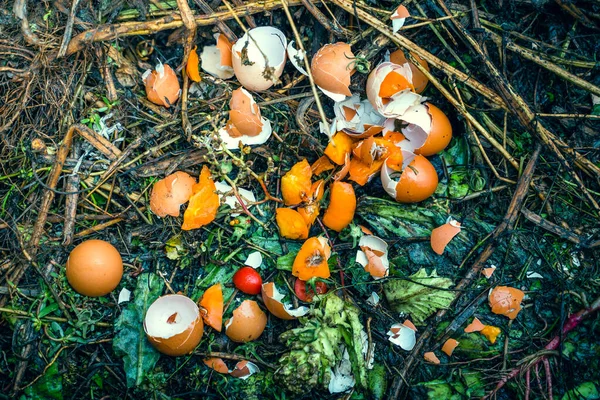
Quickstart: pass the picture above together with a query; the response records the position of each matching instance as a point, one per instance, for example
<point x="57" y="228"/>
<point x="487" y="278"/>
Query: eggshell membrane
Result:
<point x="411" y="187"/>
<point x="505" y="300"/>
<point x="311" y="260"/>
<point x="162" y="83"/>
<point x="442" y="235"/>
<point x="247" y="324"/>
<point x="449" y="346"/>
<point x="474" y="326"/>
<point x="217" y="364"/>
<point x="252" y="48"/>
<point x="342" y="204"/>
<point x="216" y="59"/>
<point x="211" y="307"/>
<point x="291" y="224"/>
<point x="431" y="357"/>
<point x="440" y="135"/>
<point x="94" y="268"/>
<point x="170" y="193"/>
<point x="271" y="297"/>
<point x="173" y="325"/>
<point x="419" y="80"/>
<point x="331" y="68"/>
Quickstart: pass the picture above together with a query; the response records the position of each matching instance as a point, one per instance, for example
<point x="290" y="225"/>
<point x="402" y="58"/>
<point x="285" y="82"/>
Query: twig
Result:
<point x="334" y="27"/>
<point x="68" y="30"/>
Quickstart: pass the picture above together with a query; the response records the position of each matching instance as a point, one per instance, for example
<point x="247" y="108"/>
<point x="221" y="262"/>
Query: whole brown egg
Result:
<point x="94" y="268"/>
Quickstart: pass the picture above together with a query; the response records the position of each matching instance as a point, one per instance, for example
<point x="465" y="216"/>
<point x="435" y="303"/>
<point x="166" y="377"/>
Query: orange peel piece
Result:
<point x="291" y="223"/>
<point x="491" y="333"/>
<point x="321" y="165"/>
<point x="311" y="260"/>
<point x="204" y="203"/>
<point x="342" y="205"/>
<point x="311" y="208"/>
<point x="339" y="147"/>
<point x="449" y="346"/>
<point x="192" y="66"/>
<point x="295" y="184"/>
<point x="211" y="307"/>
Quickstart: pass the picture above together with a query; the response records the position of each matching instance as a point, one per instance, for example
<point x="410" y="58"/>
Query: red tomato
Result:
<point x="247" y="280"/>
<point x="307" y="294"/>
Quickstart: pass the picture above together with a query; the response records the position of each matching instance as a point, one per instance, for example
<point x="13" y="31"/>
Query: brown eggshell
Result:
<point x="442" y="235"/>
<point x="332" y="67"/>
<point x="475" y="326"/>
<point x="244" y="115"/>
<point x="162" y="88"/>
<point x="170" y="193"/>
<point x="419" y="80"/>
<point x="247" y="324"/>
<point x="449" y="346"/>
<point x="275" y="307"/>
<point x="244" y="369"/>
<point x="506" y="300"/>
<point x="94" y="268"/>
<point x="431" y="357"/>
<point x="418" y="181"/>
<point x="217" y="364"/>
<point x="440" y="135"/>
<point x="173" y="325"/>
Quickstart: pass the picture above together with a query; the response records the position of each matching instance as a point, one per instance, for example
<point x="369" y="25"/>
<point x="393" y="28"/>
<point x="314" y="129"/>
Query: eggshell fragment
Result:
<point x="398" y="18"/>
<point x="247" y="324"/>
<point x="217" y="364"/>
<point x="475" y="326"/>
<point x="244" y="369"/>
<point x="357" y="118"/>
<point x="259" y="57"/>
<point x="231" y="200"/>
<point x="403" y="336"/>
<point x="390" y="90"/>
<point x="211" y="307"/>
<point x="204" y="203"/>
<point x="417" y="182"/>
<point x="488" y="272"/>
<point x="331" y="68"/>
<point x="428" y="131"/>
<point x="296" y="57"/>
<point x="373" y="256"/>
<point x="170" y="193"/>
<point x="94" y="268"/>
<point x="173" y="325"/>
<point x="505" y="300"/>
<point x="162" y="86"/>
<point x="431" y="357"/>
<point x="245" y="125"/>
<point x="272" y="298"/>
<point x="442" y="235"/>
<point x="254" y="260"/>
<point x="449" y="346"/>
<point x="419" y="80"/>
<point x="216" y="59"/>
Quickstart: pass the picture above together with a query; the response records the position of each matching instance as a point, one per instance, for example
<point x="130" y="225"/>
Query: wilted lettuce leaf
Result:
<point x="130" y="341"/>
<point x="410" y="297"/>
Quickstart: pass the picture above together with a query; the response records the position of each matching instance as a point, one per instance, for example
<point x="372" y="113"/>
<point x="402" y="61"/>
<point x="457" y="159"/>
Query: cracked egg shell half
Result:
<point x="272" y="298"/>
<point x="390" y="90"/>
<point x="245" y="125"/>
<point x="247" y="323"/>
<point x="162" y="86"/>
<point x="331" y="68"/>
<point x="506" y="300"/>
<point x="173" y="325"/>
<point x="170" y="193"/>
<point x="94" y="268"/>
<point x="428" y="131"/>
<point x="216" y="59"/>
<point x="416" y="182"/>
<point x="419" y="80"/>
<point x="258" y="57"/>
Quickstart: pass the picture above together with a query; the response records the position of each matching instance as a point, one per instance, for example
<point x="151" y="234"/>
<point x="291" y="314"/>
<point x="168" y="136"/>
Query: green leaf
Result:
<point x="48" y="386"/>
<point x="587" y="391"/>
<point x="48" y="310"/>
<point x="420" y="296"/>
<point x="174" y="248"/>
<point x="377" y="382"/>
<point x="286" y="262"/>
<point x="130" y="341"/>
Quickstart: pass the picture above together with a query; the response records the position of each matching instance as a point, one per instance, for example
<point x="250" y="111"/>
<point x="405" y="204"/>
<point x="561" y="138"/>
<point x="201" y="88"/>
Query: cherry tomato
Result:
<point x="305" y="293"/>
<point x="247" y="280"/>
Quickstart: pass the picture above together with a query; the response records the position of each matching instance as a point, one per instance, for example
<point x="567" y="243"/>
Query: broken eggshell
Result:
<point x="506" y="300"/>
<point x="259" y="57"/>
<point x="442" y="235"/>
<point x="399" y="17"/>
<point x="428" y="131"/>
<point x="331" y="68"/>
<point x="373" y="256"/>
<point x="357" y="118"/>
<point x="419" y="80"/>
<point x="243" y="369"/>
<point x="173" y="325"/>
<point x="449" y="346"/>
<point x="162" y="86"/>
<point x="296" y="57"/>
<point x="417" y="182"/>
<point x="272" y="298"/>
<point x="231" y="200"/>
<point x="245" y="125"/>
<point x="216" y="59"/>
<point x="170" y="193"/>
<point x="403" y="336"/>
<point x="247" y="323"/>
<point x="390" y="90"/>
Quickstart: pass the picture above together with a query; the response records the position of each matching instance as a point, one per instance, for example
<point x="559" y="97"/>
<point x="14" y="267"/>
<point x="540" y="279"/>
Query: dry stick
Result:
<point x="525" y="53"/>
<point x="71" y="199"/>
<point x="577" y="14"/>
<point x="334" y="27"/>
<point x="518" y="105"/>
<point x="306" y="66"/>
<point x="68" y="30"/>
<point x="432" y="60"/>
<point x="506" y="224"/>
<point x="190" y="24"/>
<point x="109" y="32"/>
<point x="249" y="18"/>
<point x="551" y="227"/>
<point x="225" y="30"/>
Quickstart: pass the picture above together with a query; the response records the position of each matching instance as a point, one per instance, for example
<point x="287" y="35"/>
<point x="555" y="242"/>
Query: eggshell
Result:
<point x="442" y="235"/>
<point x="449" y="346"/>
<point x="419" y="80"/>
<point x="162" y="86"/>
<point x="505" y="300"/>
<point x="94" y="268"/>
<point x="245" y="123"/>
<point x="247" y="324"/>
<point x="331" y="68"/>
<point x="244" y="369"/>
<point x="390" y="91"/>
<point x="216" y="59"/>
<point x="173" y="325"/>
<point x="431" y="357"/>
<point x="170" y="193"/>
<point x="398" y="18"/>
<point x="417" y="182"/>
<point x="430" y="136"/>
<point x="403" y="336"/>
<point x="475" y="326"/>
<point x="373" y="256"/>
<point x="258" y="57"/>
<point x="272" y="299"/>
<point x="296" y="57"/>
<point x="217" y="364"/>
